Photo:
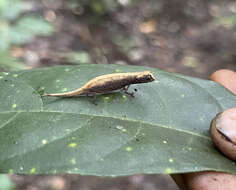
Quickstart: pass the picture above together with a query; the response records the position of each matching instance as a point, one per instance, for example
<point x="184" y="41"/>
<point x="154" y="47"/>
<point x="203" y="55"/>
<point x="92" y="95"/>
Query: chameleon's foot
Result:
<point x="94" y="102"/>
<point x="126" y="88"/>
<point x="93" y="95"/>
<point x="130" y="93"/>
<point x="126" y="91"/>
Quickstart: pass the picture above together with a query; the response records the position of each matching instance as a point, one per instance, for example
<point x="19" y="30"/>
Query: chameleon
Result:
<point x="107" y="83"/>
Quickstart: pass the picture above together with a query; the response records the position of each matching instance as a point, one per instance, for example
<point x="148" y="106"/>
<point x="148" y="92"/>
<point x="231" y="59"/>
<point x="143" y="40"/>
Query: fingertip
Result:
<point x="223" y="132"/>
<point x="225" y="77"/>
<point x="215" y="180"/>
<point x="210" y="181"/>
<point x="219" y="74"/>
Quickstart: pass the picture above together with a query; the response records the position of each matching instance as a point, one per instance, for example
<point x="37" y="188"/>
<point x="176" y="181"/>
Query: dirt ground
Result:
<point x="191" y="37"/>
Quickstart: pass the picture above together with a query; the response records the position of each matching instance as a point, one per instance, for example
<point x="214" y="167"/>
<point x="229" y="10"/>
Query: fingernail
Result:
<point x="226" y="124"/>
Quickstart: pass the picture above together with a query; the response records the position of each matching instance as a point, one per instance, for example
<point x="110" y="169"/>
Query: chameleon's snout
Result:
<point x="151" y="76"/>
<point x="146" y="76"/>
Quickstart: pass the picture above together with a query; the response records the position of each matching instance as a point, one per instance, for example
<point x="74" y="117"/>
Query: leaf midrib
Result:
<point x="113" y="117"/>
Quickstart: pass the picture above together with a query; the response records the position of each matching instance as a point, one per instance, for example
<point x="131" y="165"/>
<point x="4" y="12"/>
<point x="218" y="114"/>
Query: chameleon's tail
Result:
<point x="77" y="92"/>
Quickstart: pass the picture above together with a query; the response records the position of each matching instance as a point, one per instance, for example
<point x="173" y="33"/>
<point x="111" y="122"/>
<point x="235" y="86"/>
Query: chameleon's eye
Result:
<point x="149" y="77"/>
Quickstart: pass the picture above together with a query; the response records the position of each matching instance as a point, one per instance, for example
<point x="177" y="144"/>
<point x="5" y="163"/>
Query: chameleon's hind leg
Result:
<point x="126" y="91"/>
<point x="93" y="95"/>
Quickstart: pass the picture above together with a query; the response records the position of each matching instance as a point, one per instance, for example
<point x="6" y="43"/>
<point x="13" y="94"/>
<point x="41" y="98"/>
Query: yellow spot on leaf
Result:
<point x="67" y="69"/>
<point x="6" y="73"/>
<point x="190" y="148"/>
<point x="64" y="89"/>
<point x="54" y="171"/>
<point x="124" y="130"/>
<point x="73" y="161"/>
<point x="68" y="130"/>
<point x="182" y="95"/>
<point x="32" y="170"/>
<point x="128" y="149"/>
<point x="107" y="98"/>
<point x="15" y="75"/>
<point x="164" y="141"/>
<point x="124" y="96"/>
<point x="171" y="160"/>
<point x="72" y="145"/>
<point x="117" y="70"/>
<point x="57" y="80"/>
<point x="168" y="170"/>
<point x="1" y="77"/>
<point x="119" y="127"/>
<point x="10" y="171"/>
<point x="44" y="141"/>
<point x="14" y="106"/>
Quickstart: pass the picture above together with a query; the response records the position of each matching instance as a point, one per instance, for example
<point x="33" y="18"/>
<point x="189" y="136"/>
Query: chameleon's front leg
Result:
<point x="126" y="91"/>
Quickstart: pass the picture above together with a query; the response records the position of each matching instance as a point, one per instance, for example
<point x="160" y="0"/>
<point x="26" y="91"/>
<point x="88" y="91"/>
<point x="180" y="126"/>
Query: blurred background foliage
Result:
<point x="190" y="37"/>
<point x="6" y="183"/>
<point x="99" y="7"/>
<point x="17" y="28"/>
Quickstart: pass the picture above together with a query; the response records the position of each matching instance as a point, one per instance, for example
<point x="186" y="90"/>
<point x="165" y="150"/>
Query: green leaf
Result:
<point x="226" y="21"/>
<point x="5" y="183"/>
<point x="11" y="9"/>
<point x="125" y="44"/>
<point x="164" y="129"/>
<point x="79" y="57"/>
<point x="4" y="36"/>
<point x="27" y="28"/>
<point x="9" y="63"/>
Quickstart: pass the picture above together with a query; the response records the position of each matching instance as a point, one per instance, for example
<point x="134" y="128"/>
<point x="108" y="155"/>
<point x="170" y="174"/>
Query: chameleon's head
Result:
<point x="145" y="76"/>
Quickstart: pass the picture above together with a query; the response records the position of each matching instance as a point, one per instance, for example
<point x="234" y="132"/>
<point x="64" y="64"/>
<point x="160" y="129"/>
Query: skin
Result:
<point x="223" y="133"/>
<point x="214" y="180"/>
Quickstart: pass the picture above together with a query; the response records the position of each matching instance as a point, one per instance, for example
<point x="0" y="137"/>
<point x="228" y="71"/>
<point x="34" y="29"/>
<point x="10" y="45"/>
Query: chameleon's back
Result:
<point x="110" y="82"/>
